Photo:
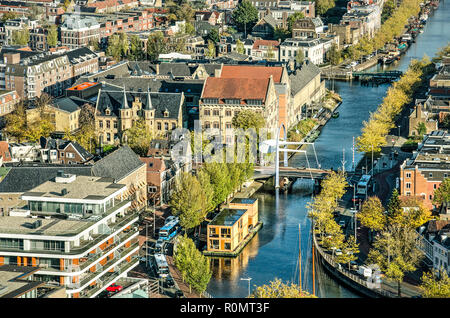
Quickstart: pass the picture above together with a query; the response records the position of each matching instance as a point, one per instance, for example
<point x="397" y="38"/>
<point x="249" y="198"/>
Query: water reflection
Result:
<point x="273" y="252"/>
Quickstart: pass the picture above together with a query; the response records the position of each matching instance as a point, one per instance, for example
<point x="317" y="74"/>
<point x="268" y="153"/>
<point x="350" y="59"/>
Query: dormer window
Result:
<point x="254" y="102"/>
<point x="232" y="101"/>
<point x="108" y="111"/>
<point x="166" y="113"/>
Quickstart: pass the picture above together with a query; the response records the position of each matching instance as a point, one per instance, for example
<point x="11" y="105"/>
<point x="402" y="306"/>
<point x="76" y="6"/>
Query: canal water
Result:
<point x="273" y="252"/>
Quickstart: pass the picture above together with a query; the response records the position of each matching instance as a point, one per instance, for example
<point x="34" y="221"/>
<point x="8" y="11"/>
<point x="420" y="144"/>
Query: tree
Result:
<point x="415" y="213"/>
<point x="114" y="48"/>
<point x="220" y="181"/>
<point x="278" y="289"/>
<point x="139" y="137"/>
<point x="20" y="37"/>
<point x="52" y="36"/>
<point x="294" y="18"/>
<point x="372" y="214"/>
<point x="334" y="56"/>
<point x="442" y="194"/>
<point x="248" y="119"/>
<point x="193" y="265"/>
<point x="241" y="50"/>
<point x="270" y="54"/>
<point x="16" y="122"/>
<point x="156" y="45"/>
<point x="421" y="129"/>
<point x="211" y="51"/>
<point x="213" y="35"/>
<point x="245" y="16"/>
<point x="395" y="252"/>
<point x="435" y="285"/>
<point x="300" y="57"/>
<point x="281" y="34"/>
<point x="8" y="16"/>
<point x="189" y="28"/>
<point x="394" y="208"/>
<point x="349" y="250"/>
<point x="136" y="48"/>
<point x="189" y="201"/>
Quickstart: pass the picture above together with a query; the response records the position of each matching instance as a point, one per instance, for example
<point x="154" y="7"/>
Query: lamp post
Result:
<point x="399" y="131"/>
<point x="248" y="279"/>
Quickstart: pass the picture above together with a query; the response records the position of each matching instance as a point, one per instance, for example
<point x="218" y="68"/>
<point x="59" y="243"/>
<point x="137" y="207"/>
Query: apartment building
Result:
<point x="281" y="10"/>
<point x="79" y="230"/>
<point x="224" y="97"/>
<point x="434" y="242"/>
<point x="313" y="48"/>
<point x="79" y="30"/>
<point x="63" y="151"/>
<point x="307" y="28"/>
<point x="422" y="174"/>
<point x="31" y="73"/>
<point x="8" y="102"/>
<point x="368" y="16"/>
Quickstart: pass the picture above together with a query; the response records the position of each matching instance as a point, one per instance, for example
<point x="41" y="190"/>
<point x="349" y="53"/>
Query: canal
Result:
<point x="273" y="252"/>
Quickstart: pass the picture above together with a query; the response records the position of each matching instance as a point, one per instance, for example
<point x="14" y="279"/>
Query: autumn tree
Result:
<point x="349" y="252"/>
<point x="16" y="122"/>
<point x="241" y="50"/>
<point x="278" y="289"/>
<point x="414" y="212"/>
<point x="435" y="284"/>
<point x="372" y="214"/>
<point x="396" y="253"/>
<point x="211" y="50"/>
<point x="394" y="208"/>
<point x="138" y="137"/>
<point x="8" y="16"/>
<point x="248" y="119"/>
<point x="20" y="37"/>
<point x="300" y="57"/>
<point x="52" y="36"/>
<point x="442" y="194"/>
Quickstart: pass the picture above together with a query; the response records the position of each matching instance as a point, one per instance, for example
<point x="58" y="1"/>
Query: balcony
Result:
<point x="89" y="276"/>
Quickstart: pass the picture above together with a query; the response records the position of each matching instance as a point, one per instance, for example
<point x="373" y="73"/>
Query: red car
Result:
<point x="114" y="288"/>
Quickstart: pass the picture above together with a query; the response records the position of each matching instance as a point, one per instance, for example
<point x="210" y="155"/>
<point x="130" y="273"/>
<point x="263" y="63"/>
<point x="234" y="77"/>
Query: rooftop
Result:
<point x="227" y="217"/>
<point x="82" y="187"/>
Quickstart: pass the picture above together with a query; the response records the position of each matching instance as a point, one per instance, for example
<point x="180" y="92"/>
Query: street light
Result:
<point x="399" y="131"/>
<point x="248" y="279"/>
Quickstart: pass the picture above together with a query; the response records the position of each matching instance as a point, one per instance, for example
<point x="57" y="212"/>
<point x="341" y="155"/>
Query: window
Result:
<point x="70" y="155"/>
<point x="228" y="113"/>
<point x="100" y="123"/>
<point x="216" y="124"/>
<point x="108" y="124"/>
<point x="206" y="112"/>
<point x="408" y="185"/>
<point x="215" y="112"/>
<point x="430" y="175"/>
<point x="115" y="124"/>
<point x="159" y="126"/>
<point x="408" y="174"/>
<point x="227" y="246"/>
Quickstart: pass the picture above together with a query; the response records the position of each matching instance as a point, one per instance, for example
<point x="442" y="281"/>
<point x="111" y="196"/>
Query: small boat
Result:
<point x="335" y="114"/>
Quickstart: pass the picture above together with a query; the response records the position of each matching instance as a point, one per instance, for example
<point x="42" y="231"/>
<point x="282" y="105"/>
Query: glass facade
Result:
<point x="69" y="208"/>
<point x="11" y="243"/>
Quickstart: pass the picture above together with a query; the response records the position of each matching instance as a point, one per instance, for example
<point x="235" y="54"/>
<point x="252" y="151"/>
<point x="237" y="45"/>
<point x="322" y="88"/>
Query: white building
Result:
<point x="313" y="49"/>
<point x="78" y="229"/>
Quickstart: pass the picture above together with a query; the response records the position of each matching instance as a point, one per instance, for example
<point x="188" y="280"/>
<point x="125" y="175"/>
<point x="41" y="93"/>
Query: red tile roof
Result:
<point x="236" y="88"/>
<point x="82" y="86"/>
<point x="272" y="43"/>
<point x="252" y="71"/>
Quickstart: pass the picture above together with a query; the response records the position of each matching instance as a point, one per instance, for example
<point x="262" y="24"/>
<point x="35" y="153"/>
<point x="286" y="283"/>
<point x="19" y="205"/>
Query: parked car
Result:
<point x="169" y="283"/>
<point x="114" y="288"/>
<point x="159" y="245"/>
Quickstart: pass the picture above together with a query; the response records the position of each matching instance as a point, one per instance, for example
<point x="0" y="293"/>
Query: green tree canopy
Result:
<point x="245" y="16"/>
<point x="52" y="36"/>
<point x="20" y="37"/>
<point x="156" y="45"/>
<point x="294" y="18"/>
<point x="189" y="201"/>
<point x="372" y="214"/>
<point x="248" y="119"/>
<point x="435" y="285"/>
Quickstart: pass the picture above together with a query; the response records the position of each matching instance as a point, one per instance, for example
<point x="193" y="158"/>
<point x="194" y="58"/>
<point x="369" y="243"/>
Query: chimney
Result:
<point x="63" y="191"/>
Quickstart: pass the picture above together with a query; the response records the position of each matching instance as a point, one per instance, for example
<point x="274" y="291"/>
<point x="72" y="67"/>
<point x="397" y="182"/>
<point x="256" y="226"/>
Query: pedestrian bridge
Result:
<point x="391" y="75"/>
<point x="261" y="172"/>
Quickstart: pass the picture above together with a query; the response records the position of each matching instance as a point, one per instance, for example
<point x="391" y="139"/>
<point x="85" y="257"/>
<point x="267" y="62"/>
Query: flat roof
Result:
<point x="227" y="217"/>
<point x="82" y="188"/>
<point x="82" y="86"/>
<point x="244" y="200"/>
<point x="13" y="281"/>
<point x="51" y="227"/>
